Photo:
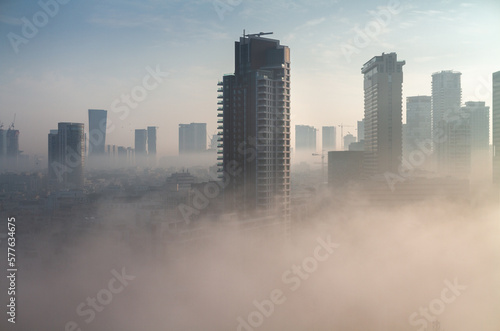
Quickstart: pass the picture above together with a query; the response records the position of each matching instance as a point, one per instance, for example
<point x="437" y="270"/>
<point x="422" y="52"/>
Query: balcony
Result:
<point x="220" y="108"/>
<point x="220" y="127"/>
<point x="220" y="121"/>
<point x="220" y="83"/>
<point x="220" y="89"/>
<point x="220" y="102"/>
<point x="220" y="96"/>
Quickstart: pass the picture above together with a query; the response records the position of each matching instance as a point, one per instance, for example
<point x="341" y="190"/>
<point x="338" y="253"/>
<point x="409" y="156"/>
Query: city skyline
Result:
<point x="164" y="58"/>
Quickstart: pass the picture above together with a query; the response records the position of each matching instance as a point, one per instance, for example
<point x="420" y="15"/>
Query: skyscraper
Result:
<point x="66" y="156"/>
<point x="97" y="131"/>
<point x="383" y="83"/>
<point x="141" y="138"/>
<point x="479" y="117"/>
<point x="329" y="138"/>
<point x="496" y="128"/>
<point x="152" y="140"/>
<point x="348" y="140"/>
<point x="418" y="129"/>
<point x="446" y="101"/>
<point x="192" y="138"/>
<point x="9" y="148"/>
<point x="361" y="130"/>
<point x="305" y="138"/>
<point x="255" y="132"/>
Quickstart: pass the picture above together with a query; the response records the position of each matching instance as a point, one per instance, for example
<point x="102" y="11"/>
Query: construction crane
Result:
<point x="11" y="127"/>
<point x="342" y="126"/>
<point x="322" y="164"/>
<point x="256" y="34"/>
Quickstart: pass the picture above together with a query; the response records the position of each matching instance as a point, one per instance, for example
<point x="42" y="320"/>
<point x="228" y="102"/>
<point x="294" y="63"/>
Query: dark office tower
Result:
<point x="66" y="156"/>
<point x="255" y="137"/>
<point x="496" y="128"/>
<point x="329" y="138"/>
<point x="305" y="138"/>
<point x="141" y="139"/>
<point x="53" y="157"/>
<point x="383" y="84"/>
<point x="97" y="131"/>
<point x="192" y="138"/>
<point x="418" y="129"/>
<point x="446" y="101"/>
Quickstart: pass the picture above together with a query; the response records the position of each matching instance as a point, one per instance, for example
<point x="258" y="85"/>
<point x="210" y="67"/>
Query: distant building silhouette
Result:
<point x="66" y="157"/>
<point x="344" y="167"/>
<point x="348" y="140"/>
<point x="329" y="138"/>
<point x="97" y="132"/>
<point x="255" y="137"/>
<point x="192" y="138"/>
<point x="361" y="130"/>
<point x="9" y="149"/>
<point x="418" y="129"/>
<point x="152" y="146"/>
<point x="496" y="128"/>
<point x="447" y="125"/>
<point x="140" y="147"/>
<point x="383" y="80"/>
<point x="479" y="117"/>
<point x="141" y="138"/>
<point x="305" y="138"/>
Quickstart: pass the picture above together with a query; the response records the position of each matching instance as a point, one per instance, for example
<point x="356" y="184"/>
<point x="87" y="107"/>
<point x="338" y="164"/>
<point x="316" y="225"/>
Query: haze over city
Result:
<point x="91" y="53"/>
<point x="250" y="165"/>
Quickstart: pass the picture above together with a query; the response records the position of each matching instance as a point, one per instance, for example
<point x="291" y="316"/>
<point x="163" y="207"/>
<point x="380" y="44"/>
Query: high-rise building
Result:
<point x="496" y="128"/>
<point x="66" y="156"/>
<point x="255" y="132"/>
<point x="140" y="146"/>
<point x="446" y="102"/>
<point x="152" y="146"/>
<point x="305" y="138"/>
<point x="9" y="148"/>
<point x="418" y="129"/>
<point x="348" y="140"/>
<point x="152" y="140"/>
<point x="192" y="138"/>
<point x="141" y="138"/>
<point x="479" y="117"/>
<point x="361" y="130"/>
<point x="383" y="83"/>
<point x="97" y="131"/>
<point x="329" y="138"/>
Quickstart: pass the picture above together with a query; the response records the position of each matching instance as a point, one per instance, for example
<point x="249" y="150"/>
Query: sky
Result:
<point x="74" y="55"/>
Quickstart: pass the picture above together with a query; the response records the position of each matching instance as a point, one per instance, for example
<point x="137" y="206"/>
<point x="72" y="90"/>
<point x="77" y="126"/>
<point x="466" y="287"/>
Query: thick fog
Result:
<point x="347" y="266"/>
